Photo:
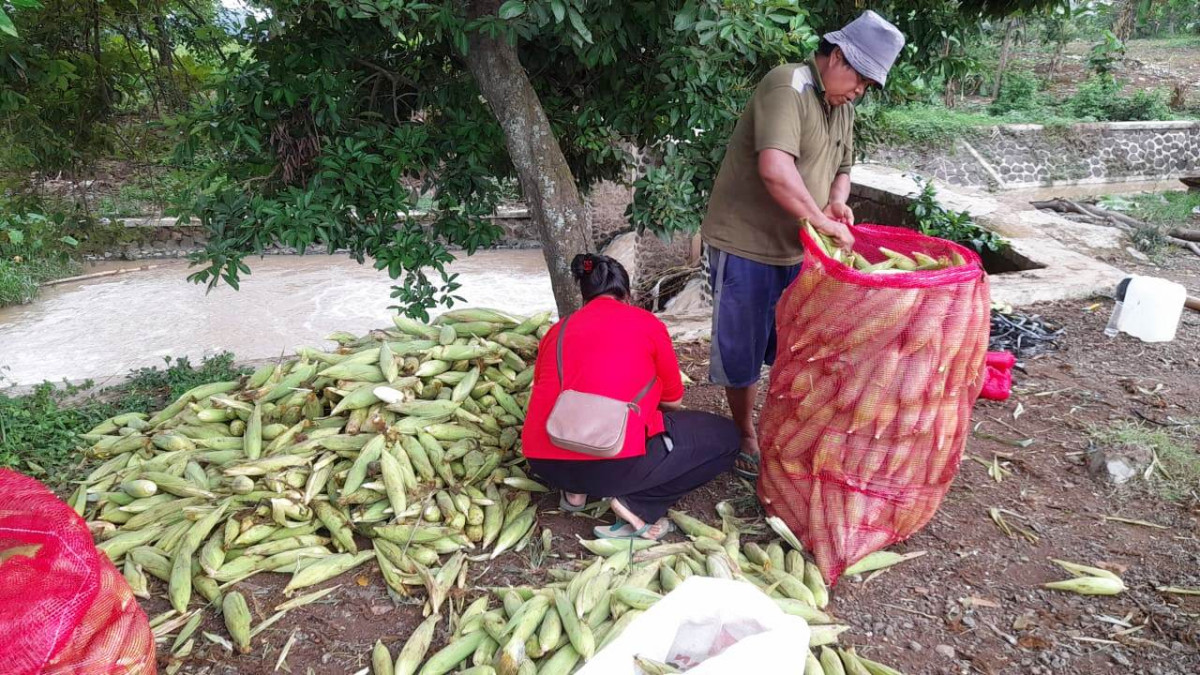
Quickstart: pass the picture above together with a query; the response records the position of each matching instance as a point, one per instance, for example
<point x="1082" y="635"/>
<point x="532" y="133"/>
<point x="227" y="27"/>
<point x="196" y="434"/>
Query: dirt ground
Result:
<point x="1148" y="64"/>
<point x="972" y="603"/>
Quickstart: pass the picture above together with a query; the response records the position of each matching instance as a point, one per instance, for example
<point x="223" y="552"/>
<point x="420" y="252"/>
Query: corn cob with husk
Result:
<point x="560" y="625"/>
<point x="1087" y="580"/>
<point x="886" y="260"/>
<point x="870" y="398"/>
<point x="406" y="434"/>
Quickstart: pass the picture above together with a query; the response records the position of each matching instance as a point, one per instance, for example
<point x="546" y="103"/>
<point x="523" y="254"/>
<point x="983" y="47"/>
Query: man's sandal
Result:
<point x="748" y="459"/>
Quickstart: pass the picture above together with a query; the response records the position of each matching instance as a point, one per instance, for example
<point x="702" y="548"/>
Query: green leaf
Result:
<point x="69" y="241"/>
<point x="686" y="18"/>
<point x="559" y="9"/>
<point x="6" y="24"/>
<point x="577" y="22"/>
<point x="15" y="236"/>
<point x="512" y="9"/>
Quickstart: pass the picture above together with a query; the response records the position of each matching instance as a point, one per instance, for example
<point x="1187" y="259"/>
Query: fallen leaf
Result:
<point x="1179" y="590"/>
<point x="979" y="602"/>
<point x="1024" y="622"/>
<point x="362" y="580"/>
<point x="1115" y="568"/>
<point x="1034" y="642"/>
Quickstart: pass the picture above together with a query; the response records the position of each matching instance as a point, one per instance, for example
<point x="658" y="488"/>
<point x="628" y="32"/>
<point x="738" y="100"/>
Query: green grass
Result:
<point x="1172" y="209"/>
<point x="38" y="430"/>
<point x="152" y="388"/>
<point x="1178" y="475"/>
<point x="19" y="280"/>
<point x="1175" y="42"/>
<point x="927" y="125"/>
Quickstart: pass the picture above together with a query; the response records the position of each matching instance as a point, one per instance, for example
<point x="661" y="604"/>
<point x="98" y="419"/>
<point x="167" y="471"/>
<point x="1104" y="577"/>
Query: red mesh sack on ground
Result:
<point x="64" y="608"/>
<point x="997" y="381"/>
<point x="870" y="396"/>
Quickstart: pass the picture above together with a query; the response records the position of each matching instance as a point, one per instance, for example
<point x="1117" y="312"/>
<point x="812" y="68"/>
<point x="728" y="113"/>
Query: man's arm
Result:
<point x="785" y="185"/>
<point x="839" y="193"/>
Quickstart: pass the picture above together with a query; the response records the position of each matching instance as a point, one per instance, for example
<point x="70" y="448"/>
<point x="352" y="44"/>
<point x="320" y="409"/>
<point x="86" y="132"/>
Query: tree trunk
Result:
<point x="1056" y="60"/>
<point x="1004" y="48"/>
<point x="102" y="77"/>
<point x="1125" y="19"/>
<point x="546" y="181"/>
<point x="948" y="95"/>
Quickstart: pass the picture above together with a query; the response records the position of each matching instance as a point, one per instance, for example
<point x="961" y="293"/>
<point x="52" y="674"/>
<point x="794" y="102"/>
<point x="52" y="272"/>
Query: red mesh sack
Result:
<point x="64" y="608"/>
<point x="870" y="396"/>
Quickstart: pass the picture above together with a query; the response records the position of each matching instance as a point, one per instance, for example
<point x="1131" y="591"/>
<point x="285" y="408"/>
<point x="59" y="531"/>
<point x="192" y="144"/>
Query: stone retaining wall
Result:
<point x="1032" y="155"/>
<point x="159" y="237"/>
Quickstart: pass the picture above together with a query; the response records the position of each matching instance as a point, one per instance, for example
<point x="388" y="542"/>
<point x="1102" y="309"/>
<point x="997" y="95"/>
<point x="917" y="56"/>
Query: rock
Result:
<point x="624" y="249"/>
<point x="945" y="650"/>
<point x="915" y="646"/>
<point x="691" y="300"/>
<point x="1118" y="464"/>
<point x="1136" y="254"/>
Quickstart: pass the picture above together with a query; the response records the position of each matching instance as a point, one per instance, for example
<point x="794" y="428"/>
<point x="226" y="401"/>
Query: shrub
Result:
<point x="1100" y="98"/>
<point x="1019" y="91"/>
<point x="935" y="220"/>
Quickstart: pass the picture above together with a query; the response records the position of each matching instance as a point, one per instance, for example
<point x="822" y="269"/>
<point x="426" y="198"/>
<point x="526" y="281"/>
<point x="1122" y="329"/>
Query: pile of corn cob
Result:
<point x="894" y="262"/>
<point x="407" y="437"/>
<point x="555" y="628"/>
<point x="869" y="408"/>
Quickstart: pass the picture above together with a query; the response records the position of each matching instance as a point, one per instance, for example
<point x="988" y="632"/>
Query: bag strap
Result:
<point x="562" y="331"/>
<point x="633" y="405"/>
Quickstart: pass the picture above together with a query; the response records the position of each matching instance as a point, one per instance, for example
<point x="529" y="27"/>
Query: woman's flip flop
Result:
<point x="623" y="530"/>
<point x="567" y="507"/>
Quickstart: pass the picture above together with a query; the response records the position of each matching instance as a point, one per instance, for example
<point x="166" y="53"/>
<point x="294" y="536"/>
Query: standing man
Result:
<point x="789" y="158"/>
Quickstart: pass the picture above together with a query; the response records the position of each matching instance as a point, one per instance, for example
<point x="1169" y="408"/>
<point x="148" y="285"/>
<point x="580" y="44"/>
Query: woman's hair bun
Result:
<point x="583" y="265"/>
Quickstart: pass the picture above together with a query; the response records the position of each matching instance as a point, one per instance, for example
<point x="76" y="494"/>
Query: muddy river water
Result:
<point x="106" y="326"/>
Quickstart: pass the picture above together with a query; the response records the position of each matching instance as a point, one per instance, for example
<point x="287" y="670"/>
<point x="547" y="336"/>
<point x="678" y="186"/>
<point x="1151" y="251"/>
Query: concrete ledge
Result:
<point x="1043" y="239"/>
<point x="1151" y="125"/>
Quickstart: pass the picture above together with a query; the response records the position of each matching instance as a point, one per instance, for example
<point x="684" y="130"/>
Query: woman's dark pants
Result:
<point x="696" y="447"/>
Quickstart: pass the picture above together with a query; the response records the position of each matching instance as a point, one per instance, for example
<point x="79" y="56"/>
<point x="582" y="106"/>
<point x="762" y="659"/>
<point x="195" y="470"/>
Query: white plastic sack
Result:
<point x="711" y="627"/>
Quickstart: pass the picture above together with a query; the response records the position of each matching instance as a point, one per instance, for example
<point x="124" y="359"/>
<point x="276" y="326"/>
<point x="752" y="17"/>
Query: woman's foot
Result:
<point x="571" y="502"/>
<point x="655" y="531"/>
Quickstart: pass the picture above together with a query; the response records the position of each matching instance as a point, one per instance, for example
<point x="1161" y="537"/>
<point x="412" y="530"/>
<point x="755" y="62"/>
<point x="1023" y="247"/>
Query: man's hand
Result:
<point x="837" y="231"/>
<point x="840" y="212"/>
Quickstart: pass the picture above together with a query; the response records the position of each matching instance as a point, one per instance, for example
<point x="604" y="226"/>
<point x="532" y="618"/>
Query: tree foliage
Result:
<point x="67" y="67"/>
<point x="342" y="116"/>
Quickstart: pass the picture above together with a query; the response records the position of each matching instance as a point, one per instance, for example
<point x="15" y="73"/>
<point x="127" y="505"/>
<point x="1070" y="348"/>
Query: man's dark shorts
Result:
<point x="743" y="326"/>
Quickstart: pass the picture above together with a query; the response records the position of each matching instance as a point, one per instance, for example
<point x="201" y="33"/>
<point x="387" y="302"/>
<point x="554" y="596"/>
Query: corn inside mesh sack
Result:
<point x="870" y="396"/>
<point x="64" y="608"/>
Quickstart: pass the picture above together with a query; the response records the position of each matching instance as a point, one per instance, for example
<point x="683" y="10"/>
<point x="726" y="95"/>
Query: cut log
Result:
<point x="1189" y="245"/>
<point x="1189" y="235"/>
<point x="1097" y="215"/>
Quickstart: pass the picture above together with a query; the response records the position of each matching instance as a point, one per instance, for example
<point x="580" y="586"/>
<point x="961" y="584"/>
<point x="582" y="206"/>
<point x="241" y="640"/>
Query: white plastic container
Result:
<point x="1151" y="309"/>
